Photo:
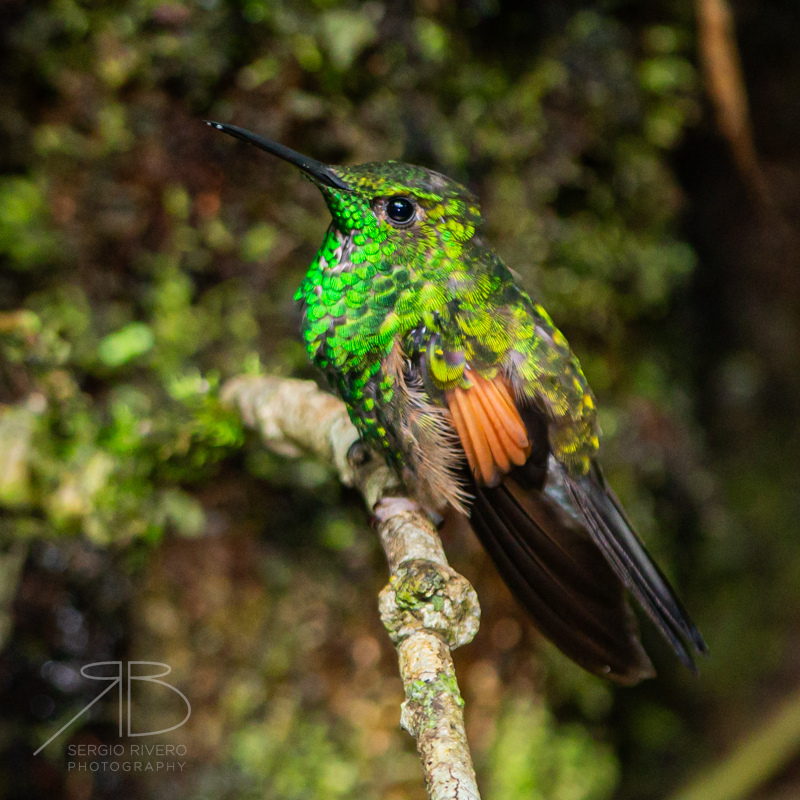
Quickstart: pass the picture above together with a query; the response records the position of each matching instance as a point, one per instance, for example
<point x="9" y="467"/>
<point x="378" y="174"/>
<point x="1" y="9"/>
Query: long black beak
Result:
<point x="321" y="173"/>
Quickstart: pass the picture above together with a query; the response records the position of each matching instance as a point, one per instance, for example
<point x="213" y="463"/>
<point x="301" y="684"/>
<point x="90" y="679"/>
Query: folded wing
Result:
<point x="561" y="542"/>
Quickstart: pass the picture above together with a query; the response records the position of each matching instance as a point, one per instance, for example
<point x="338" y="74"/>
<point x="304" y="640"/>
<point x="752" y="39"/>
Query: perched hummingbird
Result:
<point x="465" y="386"/>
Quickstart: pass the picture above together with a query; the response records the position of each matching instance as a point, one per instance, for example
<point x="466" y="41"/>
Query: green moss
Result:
<point x="425" y="694"/>
<point x="417" y="584"/>
<point x="536" y="759"/>
<point x="27" y="237"/>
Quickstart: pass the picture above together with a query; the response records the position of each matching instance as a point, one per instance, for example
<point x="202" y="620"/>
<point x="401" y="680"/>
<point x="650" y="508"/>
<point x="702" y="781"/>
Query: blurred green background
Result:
<point x="146" y="259"/>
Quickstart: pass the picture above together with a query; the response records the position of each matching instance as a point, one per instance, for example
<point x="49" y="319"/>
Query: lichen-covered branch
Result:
<point x="427" y="608"/>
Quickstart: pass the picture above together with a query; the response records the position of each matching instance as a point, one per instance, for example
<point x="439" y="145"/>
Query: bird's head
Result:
<point x="386" y="206"/>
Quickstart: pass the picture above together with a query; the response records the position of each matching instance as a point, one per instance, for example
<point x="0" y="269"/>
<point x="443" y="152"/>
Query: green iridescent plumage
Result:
<point x="375" y="283"/>
<point x="470" y="392"/>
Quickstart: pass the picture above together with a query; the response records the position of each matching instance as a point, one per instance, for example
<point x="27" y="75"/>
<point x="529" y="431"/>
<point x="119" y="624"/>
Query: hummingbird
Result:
<point x="455" y="376"/>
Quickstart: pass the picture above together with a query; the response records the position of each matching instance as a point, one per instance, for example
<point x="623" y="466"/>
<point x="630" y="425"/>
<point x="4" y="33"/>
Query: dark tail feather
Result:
<point x="613" y="533"/>
<point x="562" y="578"/>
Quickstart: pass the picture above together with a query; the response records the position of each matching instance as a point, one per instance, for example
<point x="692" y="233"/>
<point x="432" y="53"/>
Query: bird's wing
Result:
<point x="558" y="574"/>
<point x="561" y="543"/>
<point x="612" y="531"/>
<point x="544" y="555"/>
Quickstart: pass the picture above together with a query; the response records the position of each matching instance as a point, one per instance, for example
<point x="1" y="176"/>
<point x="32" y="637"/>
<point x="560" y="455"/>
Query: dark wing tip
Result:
<point x="562" y="579"/>
<point x="610" y="528"/>
<point x="700" y="647"/>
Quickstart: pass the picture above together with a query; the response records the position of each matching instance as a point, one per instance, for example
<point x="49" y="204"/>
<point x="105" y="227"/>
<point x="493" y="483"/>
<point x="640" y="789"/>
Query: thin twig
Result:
<point x="722" y="68"/>
<point x="427" y="608"/>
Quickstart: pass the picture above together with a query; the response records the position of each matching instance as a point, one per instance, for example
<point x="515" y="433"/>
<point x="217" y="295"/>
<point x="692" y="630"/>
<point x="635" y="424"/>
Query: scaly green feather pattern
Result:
<point x="439" y="289"/>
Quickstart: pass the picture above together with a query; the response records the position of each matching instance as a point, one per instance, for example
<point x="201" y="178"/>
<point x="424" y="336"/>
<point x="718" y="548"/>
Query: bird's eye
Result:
<point x="399" y="209"/>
